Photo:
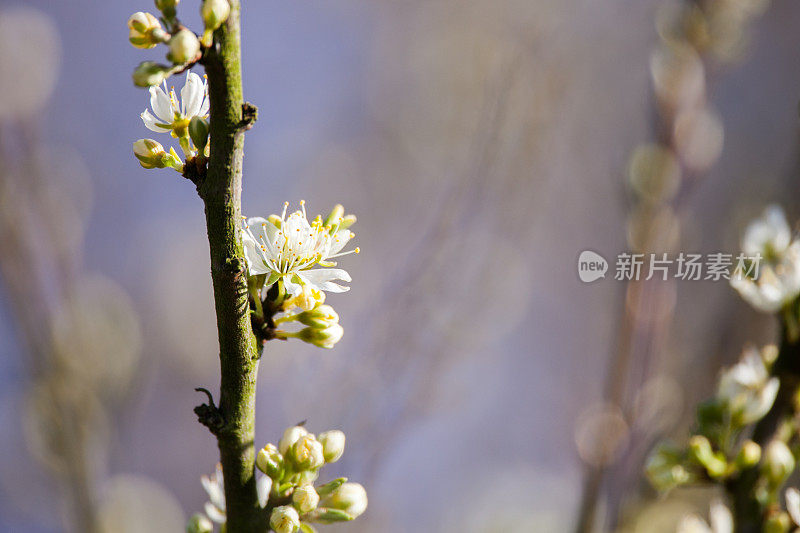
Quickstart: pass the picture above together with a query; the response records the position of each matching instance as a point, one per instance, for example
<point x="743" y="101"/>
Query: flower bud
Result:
<point x="321" y="317"/>
<point x="778" y="523"/>
<point x="199" y="524"/>
<point x="306" y="453"/>
<point x="270" y="461"/>
<point x="323" y="338"/>
<point x="308" y="299"/>
<point x="290" y="436"/>
<point x="183" y="47"/>
<point x="305" y="499"/>
<point x="198" y="131"/>
<point x="749" y="455"/>
<point x="214" y="13"/>
<point x="700" y="450"/>
<point x="333" y="218"/>
<point x="149" y="73"/>
<point x="347" y="221"/>
<point x="306" y="477"/>
<point x="284" y="519"/>
<point x="778" y="461"/>
<point x="349" y="497"/>
<point x="332" y="445"/>
<point x="151" y="154"/>
<point x="664" y="468"/>
<point x="167" y="7"/>
<point x="263" y="488"/>
<point x="145" y="30"/>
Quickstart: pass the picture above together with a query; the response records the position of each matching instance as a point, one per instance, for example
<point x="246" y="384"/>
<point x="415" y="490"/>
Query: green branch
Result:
<point x="221" y="190"/>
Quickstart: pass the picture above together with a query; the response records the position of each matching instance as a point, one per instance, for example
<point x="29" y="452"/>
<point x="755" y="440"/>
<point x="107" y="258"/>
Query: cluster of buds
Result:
<point x="184" y="47"/>
<point x="293" y="466"/>
<point x="285" y="287"/>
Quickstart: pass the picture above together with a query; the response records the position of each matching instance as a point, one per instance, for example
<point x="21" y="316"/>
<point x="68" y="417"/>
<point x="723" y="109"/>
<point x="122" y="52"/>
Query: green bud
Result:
<point x="198" y="131"/>
<point x="749" y="455"/>
<point x="183" y="47"/>
<point x="151" y="154"/>
<point x="284" y="519"/>
<point x="323" y="338"/>
<point x="290" y="436"/>
<point x="199" y="524"/>
<point x="347" y="221"/>
<point x="778" y="523"/>
<point x="324" y="515"/>
<point x="167" y="7"/>
<point x="701" y="451"/>
<point x="349" y="497"/>
<point x="306" y="453"/>
<point x="664" y="468"/>
<point x="149" y="73"/>
<point x="778" y="462"/>
<point x="215" y="13"/>
<point x="333" y="217"/>
<point x="305" y="499"/>
<point x="270" y="461"/>
<point x="332" y="444"/>
<point x="321" y="317"/>
<point x="331" y="486"/>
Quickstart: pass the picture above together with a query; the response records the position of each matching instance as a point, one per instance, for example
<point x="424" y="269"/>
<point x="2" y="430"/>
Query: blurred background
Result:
<point x="483" y="145"/>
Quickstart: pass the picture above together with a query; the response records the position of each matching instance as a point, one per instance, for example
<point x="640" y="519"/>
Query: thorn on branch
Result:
<point x="249" y="116"/>
<point x="208" y="414"/>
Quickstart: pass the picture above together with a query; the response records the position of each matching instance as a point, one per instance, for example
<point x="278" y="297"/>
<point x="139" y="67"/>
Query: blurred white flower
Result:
<point x="721" y="521"/>
<point x="747" y="387"/>
<point x="214" y="485"/>
<point x="793" y="504"/>
<point x="778" y="280"/>
<point x="169" y="116"/>
<point x="288" y="247"/>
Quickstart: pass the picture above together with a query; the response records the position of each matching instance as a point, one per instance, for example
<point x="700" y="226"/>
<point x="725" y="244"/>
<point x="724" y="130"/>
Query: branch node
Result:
<point x="208" y="414"/>
<point x="249" y="116"/>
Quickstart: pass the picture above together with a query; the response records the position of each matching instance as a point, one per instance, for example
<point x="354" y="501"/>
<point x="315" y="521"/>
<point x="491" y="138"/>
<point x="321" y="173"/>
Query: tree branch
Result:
<point x="221" y="192"/>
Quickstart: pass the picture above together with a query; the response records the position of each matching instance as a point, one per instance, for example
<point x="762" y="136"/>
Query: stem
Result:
<point x="221" y="191"/>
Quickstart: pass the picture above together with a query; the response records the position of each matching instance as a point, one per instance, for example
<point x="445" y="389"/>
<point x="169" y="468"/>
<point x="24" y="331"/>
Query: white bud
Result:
<point x="350" y="498"/>
<point x="321" y="317"/>
<point x="144" y="30"/>
<point x="332" y="445"/>
<point x="284" y="519"/>
<point x="307" y="453"/>
<point x="290" y="436"/>
<point x="778" y="461"/>
<point x="184" y="47"/>
<point x="151" y="154"/>
<point x="214" y="13"/>
<point x="305" y="499"/>
<point x="199" y="524"/>
<point x="270" y="461"/>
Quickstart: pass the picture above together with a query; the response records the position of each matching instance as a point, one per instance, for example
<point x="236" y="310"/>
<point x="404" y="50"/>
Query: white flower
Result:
<point x="168" y="116"/>
<point x="719" y="516"/>
<point x="215" y="507"/>
<point x="290" y="436"/>
<point x="793" y="504"/>
<point x="350" y="498"/>
<point x="284" y="519"/>
<point x="286" y="249"/>
<point x="747" y="387"/>
<point x="778" y="281"/>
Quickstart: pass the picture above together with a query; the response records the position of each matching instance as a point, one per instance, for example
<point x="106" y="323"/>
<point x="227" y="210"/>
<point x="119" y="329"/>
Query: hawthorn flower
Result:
<point x="747" y="387"/>
<point x="778" y="281"/>
<point x="287" y="248"/>
<point x="720" y="518"/>
<point x="170" y="117"/>
<point x="215" y="507"/>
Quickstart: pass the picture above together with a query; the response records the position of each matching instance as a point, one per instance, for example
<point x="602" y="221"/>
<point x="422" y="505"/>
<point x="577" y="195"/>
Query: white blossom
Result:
<point x="287" y="248"/>
<point x="778" y="281"/>
<point x="793" y="504"/>
<point x="747" y="387"/>
<point x="170" y="116"/>
<point x="214" y="485"/>
<point x="720" y="518"/>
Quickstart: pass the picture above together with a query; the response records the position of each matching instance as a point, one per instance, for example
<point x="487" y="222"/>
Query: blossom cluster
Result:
<point x="290" y="265"/>
<point x="286" y="487"/>
<point x="185" y="119"/>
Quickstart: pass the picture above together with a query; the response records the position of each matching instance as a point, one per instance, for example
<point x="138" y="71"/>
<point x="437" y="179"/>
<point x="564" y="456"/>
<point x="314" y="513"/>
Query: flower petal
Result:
<point x="150" y="122"/>
<point x="321" y="279"/>
<point x="192" y="95"/>
<point x="340" y="239"/>
<point x="161" y="104"/>
<point x="793" y="504"/>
